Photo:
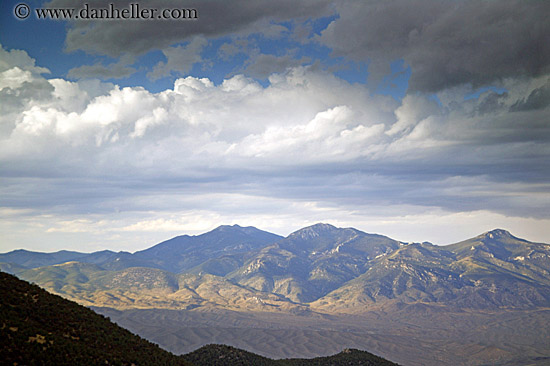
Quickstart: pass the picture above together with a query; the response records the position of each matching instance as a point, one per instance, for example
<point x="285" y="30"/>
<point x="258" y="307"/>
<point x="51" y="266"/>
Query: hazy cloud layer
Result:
<point x="307" y="145"/>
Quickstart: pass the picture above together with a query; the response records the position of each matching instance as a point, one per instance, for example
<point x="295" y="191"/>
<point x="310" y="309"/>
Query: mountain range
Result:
<point x="319" y="272"/>
<point x="321" y="268"/>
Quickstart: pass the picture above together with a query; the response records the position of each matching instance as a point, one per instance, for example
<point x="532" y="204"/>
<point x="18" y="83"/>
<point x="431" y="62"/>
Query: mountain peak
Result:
<point x="232" y="227"/>
<point x="314" y="231"/>
<point x="322" y="227"/>
<point x="249" y="230"/>
<point x="497" y="233"/>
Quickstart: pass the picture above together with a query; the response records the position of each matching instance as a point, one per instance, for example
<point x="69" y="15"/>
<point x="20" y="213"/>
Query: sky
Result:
<point x="421" y="120"/>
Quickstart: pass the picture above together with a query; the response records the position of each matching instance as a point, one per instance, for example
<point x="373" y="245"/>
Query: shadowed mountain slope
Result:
<point x="40" y="328"/>
<point x="182" y="253"/>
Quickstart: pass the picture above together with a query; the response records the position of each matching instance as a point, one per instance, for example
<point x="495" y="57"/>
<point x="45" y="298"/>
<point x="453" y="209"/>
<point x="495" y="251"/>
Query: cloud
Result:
<point x="307" y="146"/>
<point x="331" y="135"/>
<point x="183" y="42"/>
<point x="230" y="49"/>
<point x="261" y="65"/>
<point x="446" y="43"/>
<point x="180" y="59"/>
<point x="537" y="99"/>
<point x="217" y="18"/>
<point x="412" y="111"/>
<point x="20" y="59"/>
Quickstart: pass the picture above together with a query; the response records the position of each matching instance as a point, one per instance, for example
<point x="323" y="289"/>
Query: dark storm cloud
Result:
<point x="538" y="99"/>
<point x="447" y="43"/>
<point x="491" y="102"/>
<point x="216" y="18"/>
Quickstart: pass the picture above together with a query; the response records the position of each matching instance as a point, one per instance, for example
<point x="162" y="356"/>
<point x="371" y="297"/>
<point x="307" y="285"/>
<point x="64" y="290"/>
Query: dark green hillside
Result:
<point x="221" y="355"/>
<point x="38" y="328"/>
<point x="348" y="357"/>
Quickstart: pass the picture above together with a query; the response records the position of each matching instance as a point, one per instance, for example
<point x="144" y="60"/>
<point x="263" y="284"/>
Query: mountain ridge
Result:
<point x="319" y="268"/>
<point x="64" y="255"/>
<point x="167" y="255"/>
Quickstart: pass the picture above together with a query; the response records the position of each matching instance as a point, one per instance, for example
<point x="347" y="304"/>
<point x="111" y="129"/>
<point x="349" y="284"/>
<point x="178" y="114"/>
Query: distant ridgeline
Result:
<point x="320" y="268"/>
<point x="39" y="328"/>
